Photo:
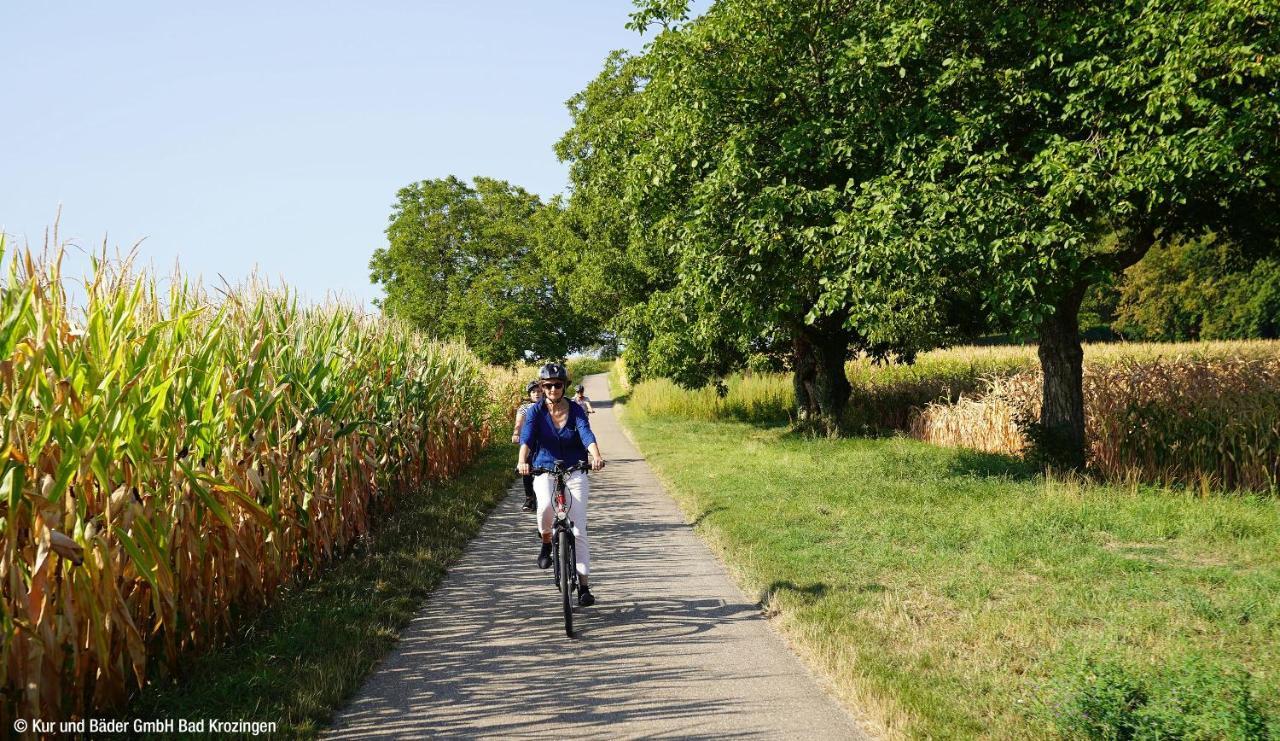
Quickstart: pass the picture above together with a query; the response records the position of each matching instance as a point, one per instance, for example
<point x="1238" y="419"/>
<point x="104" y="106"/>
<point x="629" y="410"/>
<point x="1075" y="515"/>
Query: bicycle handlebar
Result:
<point x="585" y="467"/>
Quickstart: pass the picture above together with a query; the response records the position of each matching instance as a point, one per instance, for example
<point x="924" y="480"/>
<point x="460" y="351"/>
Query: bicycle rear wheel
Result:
<point x="566" y="581"/>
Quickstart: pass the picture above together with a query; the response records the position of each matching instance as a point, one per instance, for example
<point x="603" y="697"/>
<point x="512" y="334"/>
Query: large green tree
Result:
<point x="462" y="261"/>
<point x="717" y="159"/>
<point x="1051" y="145"/>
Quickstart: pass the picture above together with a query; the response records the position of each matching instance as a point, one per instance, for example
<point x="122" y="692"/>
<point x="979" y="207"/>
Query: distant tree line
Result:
<point x="809" y="179"/>
<point x="1199" y="289"/>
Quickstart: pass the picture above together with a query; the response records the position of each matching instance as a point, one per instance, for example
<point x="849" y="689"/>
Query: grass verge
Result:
<point x="956" y="594"/>
<point x="299" y="660"/>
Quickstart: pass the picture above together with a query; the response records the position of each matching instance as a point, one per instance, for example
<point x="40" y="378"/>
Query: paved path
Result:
<point x="671" y="648"/>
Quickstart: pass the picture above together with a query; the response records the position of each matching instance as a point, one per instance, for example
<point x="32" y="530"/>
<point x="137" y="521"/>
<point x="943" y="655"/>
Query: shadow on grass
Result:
<point x="977" y="463"/>
<point x="808" y="594"/>
<point x="704" y="513"/>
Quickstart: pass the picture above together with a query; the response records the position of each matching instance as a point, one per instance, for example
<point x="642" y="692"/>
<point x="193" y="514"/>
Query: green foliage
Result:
<point x="585" y="366"/>
<point x="1039" y="148"/>
<point x="705" y="168"/>
<point x="1191" y="699"/>
<point x="912" y="170"/>
<point x="463" y="262"/>
<point x="1200" y="289"/>
<point x="1044" y="146"/>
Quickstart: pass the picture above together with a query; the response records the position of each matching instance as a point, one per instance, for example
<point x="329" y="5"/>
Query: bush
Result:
<point x="1189" y="700"/>
<point x="580" y="367"/>
<point x="1202" y="289"/>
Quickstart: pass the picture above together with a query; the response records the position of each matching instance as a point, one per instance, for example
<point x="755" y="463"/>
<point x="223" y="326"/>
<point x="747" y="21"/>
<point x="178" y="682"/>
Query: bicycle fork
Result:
<point x="563" y="538"/>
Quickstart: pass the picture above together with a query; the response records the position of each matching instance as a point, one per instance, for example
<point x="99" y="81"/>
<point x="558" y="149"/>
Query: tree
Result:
<point x="461" y="262"/>
<point x="1200" y="289"/>
<point x="1052" y="145"/>
<point x="717" y="158"/>
<point x="892" y="174"/>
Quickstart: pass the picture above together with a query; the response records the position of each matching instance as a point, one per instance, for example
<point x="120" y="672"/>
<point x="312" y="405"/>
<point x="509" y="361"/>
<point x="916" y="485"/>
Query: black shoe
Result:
<point x="529" y="506"/>
<point x="585" y="599"/>
<point x="544" y="556"/>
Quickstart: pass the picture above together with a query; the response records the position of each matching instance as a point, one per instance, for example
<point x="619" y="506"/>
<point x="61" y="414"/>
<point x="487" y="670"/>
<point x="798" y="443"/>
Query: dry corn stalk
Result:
<point x="164" y="457"/>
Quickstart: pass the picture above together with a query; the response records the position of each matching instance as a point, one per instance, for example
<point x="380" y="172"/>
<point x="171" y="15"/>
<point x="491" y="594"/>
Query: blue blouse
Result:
<point x="568" y="444"/>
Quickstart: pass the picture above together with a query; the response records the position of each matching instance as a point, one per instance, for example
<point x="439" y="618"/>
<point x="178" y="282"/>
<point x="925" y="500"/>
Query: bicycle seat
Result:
<point x="559" y="464"/>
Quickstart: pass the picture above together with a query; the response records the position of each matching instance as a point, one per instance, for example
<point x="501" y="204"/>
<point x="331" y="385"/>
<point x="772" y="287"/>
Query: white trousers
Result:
<point x="577" y="488"/>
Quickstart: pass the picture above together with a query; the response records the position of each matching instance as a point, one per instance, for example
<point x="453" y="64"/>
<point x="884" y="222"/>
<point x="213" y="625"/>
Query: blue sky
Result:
<point x="276" y="134"/>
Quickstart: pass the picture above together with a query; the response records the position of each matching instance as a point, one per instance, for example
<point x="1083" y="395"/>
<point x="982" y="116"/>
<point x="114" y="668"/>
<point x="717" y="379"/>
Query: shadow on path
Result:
<point x="671" y="648"/>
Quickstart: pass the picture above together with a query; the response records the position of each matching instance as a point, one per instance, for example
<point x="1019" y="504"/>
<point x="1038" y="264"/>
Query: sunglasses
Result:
<point x="553" y="385"/>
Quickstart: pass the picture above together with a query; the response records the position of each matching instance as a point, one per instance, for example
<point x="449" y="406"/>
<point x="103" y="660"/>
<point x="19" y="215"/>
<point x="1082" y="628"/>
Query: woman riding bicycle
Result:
<point x="559" y="430"/>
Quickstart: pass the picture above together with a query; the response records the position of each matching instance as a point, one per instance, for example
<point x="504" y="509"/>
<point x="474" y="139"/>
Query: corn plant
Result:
<point x="168" y="461"/>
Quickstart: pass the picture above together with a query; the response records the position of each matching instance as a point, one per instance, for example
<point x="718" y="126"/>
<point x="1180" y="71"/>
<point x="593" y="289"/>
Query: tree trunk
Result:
<point x="832" y="383"/>
<point x="805" y="366"/>
<point x="822" y="387"/>
<point x="1061" y="432"/>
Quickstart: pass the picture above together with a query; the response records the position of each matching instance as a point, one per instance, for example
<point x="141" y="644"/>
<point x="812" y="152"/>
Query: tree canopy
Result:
<point x="896" y="174"/>
<point x="462" y="261"/>
<point x="1199" y="289"/>
<point x="716" y="159"/>
<point x="1058" y="143"/>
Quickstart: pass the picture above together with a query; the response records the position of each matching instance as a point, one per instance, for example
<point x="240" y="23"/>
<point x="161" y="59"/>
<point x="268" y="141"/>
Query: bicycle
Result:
<point x="563" y="554"/>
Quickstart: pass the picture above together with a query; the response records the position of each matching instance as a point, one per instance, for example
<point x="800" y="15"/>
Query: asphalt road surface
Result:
<point x="671" y="649"/>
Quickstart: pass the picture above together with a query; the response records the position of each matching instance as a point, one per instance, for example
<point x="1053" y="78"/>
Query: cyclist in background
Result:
<point x="559" y="430"/>
<point x="580" y="398"/>
<point x="535" y="396"/>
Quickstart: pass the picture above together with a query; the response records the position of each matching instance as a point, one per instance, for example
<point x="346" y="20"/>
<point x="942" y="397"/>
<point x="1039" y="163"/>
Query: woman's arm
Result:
<point x="589" y="439"/>
<point x="526" y="441"/>
<point x="515" y="432"/>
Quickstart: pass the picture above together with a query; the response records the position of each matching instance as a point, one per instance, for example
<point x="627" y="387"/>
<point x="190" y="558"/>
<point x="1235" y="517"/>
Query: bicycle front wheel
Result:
<point x="566" y="582"/>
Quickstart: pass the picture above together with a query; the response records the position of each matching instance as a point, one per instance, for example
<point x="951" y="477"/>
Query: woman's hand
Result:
<point x="597" y="463"/>
<point x="523" y="468"/>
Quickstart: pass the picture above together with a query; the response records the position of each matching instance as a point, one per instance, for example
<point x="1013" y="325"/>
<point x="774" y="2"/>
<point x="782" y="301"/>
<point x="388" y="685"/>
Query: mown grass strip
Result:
<point x="956" y="594"/>
<point x="299" y="660"/>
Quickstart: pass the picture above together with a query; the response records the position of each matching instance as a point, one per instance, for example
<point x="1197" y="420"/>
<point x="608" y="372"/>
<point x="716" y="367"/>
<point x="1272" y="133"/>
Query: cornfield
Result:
<point x="170" y="461"/>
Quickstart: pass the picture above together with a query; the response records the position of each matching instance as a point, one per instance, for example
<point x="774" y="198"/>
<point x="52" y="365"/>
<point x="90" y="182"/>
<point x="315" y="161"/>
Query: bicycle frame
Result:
<point x="562" y="538"/>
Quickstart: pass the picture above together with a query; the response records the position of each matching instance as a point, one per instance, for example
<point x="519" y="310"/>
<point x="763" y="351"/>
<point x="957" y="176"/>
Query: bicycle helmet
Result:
<point x="553" y="371"/>
<point x="533" y="386"/>
<point x="580" y="388"/>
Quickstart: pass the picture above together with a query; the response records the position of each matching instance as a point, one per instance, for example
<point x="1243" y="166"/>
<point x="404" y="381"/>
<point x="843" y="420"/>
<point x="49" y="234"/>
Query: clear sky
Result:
<point x="275" y="134"/>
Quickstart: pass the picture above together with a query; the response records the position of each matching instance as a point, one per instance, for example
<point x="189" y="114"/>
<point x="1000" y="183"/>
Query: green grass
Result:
<point x="955" y="594"/>
<point x="299" y="660"/>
